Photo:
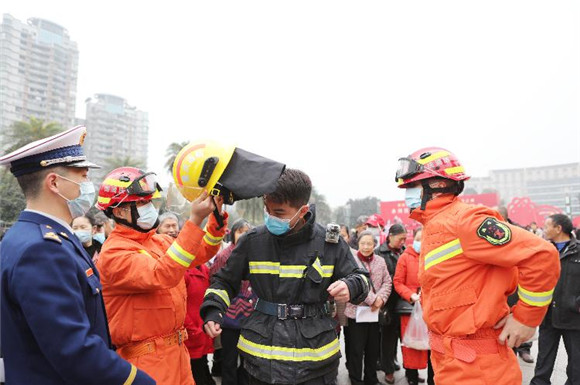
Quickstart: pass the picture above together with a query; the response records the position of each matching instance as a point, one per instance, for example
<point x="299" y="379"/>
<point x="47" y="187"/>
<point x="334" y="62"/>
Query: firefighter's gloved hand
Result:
<point x="212" y="329"/>
<point x="514" y="333"/>
<point x="339" y="290"/>
<point x="201" y="207"/>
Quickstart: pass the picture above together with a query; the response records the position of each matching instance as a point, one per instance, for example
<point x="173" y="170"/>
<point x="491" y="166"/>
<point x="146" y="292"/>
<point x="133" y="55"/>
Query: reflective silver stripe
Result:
<point x="443" y="253"/>
<point x="179" y="255"/>
<point x="535" y="298"/>
<point x="327" y="270"/>
<point x="293" y="271"/>
<point x="220" y="293"/>
<point x="211" y="240"/>
<point x="289" y="354"/>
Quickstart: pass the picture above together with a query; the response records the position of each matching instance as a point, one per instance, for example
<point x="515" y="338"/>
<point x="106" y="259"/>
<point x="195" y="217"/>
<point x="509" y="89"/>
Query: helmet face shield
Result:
<point x="145" y="185"/>
<point x="407" y="168"/>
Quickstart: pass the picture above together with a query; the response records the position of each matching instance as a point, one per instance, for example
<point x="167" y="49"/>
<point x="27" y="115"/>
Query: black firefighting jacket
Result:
<point x="290" y="269"/>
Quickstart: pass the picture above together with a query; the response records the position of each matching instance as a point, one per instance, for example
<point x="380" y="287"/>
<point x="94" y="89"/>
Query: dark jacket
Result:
<point x="54" y="325"/>
<point x="290" y="269"/>
<point x="391" y="258"/>
<point x="566" y="302"/>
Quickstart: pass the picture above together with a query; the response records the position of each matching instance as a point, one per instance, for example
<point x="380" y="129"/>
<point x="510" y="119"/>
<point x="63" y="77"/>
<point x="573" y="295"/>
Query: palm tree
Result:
<point x="171" y="153"/>
<point x="17" y="135"/>
<point x="22" y="132"/>
<point x="123" y="161"/>
<point x="251" y="209"/>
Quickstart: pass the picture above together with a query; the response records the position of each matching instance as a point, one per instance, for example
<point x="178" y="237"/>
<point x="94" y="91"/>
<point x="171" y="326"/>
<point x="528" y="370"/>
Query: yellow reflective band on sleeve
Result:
<point x="443" y="253"/>
<point x="179" y="255"/>
<point x="327" y="271"/>
<point x="132" y="376"/>
<point x="211" y="240"/>
<point x="454" y="170"/>
<point x="541" y="298"/>
<point x="220" y="293"/>
<point x="433" y="157"/>
<point x="289" y="354"/>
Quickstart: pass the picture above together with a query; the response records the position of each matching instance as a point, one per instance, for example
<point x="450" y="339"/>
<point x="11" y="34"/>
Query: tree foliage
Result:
<point x="20" y="133"/>
<point x="171" y="153"/>
<point x="358" y="207"/>
<point x="122" y="161"/>
<point x="323" y="210"/>
<point x="252" y="210"/>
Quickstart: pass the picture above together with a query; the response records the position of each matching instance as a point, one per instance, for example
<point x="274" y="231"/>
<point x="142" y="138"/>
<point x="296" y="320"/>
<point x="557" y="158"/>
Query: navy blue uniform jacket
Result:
<point x="54" y="325"/>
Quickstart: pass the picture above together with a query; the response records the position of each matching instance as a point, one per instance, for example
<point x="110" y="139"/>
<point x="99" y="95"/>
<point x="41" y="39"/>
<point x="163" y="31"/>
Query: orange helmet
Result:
<point x="430" y="162"/>
<point x="127" y="184"/>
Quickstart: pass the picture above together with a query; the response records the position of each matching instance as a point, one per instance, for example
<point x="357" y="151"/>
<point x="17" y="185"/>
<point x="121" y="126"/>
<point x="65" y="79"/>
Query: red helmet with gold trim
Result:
<point x="127" y="184"/>
<point x="429" y="162"/>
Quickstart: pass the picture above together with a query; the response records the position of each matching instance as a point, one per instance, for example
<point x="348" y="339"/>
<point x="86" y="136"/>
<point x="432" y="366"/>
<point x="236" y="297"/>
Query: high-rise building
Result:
<point x="38" y="72"/>
<point x="116" y="131"/>
<point x="557" y="185"/>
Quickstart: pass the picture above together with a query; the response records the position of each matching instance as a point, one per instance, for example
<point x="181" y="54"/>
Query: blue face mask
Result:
<point x="278" y="226"/>
<point x="82" y="204"/>
<point x="417" y="246"/>
<point x="413" y="197"/>
<point x="147" y="216"/>
<point x="99" y="237"/>
<point x="83" y="235"/>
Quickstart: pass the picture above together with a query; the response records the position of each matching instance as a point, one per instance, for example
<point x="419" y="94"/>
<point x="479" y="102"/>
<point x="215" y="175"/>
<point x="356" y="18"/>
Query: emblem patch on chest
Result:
<point x="494" y="232"/>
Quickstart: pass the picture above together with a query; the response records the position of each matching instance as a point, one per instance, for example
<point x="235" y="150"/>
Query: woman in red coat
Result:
<point x="198" y="343"/>
<point x="406" y="282"/>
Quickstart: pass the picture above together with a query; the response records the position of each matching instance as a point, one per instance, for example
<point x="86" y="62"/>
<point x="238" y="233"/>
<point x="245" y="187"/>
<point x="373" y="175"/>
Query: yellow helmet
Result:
<point x="199" y="166"/>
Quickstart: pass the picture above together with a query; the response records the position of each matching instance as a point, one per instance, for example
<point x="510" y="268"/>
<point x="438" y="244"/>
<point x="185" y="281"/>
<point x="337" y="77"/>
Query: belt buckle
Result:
<point x="282" y="311"/>
<point x="296" y="311"/>
<point x="179" y="337"/>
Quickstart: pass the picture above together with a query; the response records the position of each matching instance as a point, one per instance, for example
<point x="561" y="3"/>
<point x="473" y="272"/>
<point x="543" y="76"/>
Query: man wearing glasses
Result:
<point x="142" y="273"/>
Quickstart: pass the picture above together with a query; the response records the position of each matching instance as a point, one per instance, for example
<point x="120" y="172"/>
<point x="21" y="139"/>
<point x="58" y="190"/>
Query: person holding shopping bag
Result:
<point x="406" y="282"/>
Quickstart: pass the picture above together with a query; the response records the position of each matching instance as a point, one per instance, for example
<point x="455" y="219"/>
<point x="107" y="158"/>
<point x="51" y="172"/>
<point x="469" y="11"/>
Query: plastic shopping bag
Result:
<point x="416" y="336"/>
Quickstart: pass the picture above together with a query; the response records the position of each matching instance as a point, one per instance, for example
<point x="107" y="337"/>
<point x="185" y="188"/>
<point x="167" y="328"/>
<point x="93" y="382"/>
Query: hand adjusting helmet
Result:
<point x="127" y="185"/>
<point x="224" y="170"/>
<point x="431" y="163"/>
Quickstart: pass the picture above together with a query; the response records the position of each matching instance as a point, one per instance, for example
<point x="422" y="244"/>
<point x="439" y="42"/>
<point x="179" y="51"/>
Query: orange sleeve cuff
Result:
<point x="531" y="316"/>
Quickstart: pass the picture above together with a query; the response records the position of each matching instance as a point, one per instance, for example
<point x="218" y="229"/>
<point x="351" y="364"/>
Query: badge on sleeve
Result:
<point x="494" y="232"/>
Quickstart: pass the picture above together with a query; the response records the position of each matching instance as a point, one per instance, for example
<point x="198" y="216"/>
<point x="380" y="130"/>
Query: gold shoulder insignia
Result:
<point x="51" y="235"/>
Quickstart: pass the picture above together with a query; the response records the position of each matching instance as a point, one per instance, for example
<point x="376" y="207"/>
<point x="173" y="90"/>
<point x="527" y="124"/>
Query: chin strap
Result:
<point x="428" y="191"/>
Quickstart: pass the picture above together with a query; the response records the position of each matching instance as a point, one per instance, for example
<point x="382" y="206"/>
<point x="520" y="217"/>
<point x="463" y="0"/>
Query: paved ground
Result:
<point x="558" y="377"/>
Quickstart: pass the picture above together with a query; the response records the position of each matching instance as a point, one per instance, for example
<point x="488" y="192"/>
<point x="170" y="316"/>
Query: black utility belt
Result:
<point x="284" y="311"/>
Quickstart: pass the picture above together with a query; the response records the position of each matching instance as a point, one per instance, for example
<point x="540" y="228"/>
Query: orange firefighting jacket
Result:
<point x="471" y="261"/>
<point x="145" y="295"/>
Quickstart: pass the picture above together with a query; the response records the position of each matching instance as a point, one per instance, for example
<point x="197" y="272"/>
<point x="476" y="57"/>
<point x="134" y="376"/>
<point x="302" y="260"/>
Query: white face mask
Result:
<point x="413" y="197"/>
<point x="148" y="216"/>
<point x="82" y="204"/>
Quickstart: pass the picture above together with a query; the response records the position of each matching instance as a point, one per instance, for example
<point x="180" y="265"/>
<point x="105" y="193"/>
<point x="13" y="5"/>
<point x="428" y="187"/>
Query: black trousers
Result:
<point x="232" y="373"/>
<point x="389" y="341"/>
<point x="363" y="345"/>
<point x="200" y="371"/>
<point x="329" y="379"/>
<point x="548" y="342"/>
<point x="523" y="348"/>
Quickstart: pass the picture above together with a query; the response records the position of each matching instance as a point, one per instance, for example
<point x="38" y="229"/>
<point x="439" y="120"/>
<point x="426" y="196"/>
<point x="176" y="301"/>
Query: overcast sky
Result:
<point x="339" y="89"/>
